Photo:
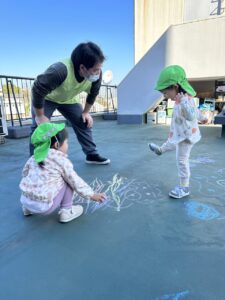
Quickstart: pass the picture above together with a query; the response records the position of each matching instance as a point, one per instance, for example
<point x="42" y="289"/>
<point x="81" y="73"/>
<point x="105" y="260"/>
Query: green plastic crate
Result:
<point x="169" y="112"/>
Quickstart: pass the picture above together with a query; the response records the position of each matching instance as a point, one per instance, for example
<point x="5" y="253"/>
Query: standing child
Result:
<point x="184" y="131"/>
<point x="48" y="178"/>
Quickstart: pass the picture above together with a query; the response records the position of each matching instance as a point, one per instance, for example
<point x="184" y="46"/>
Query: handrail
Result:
<point x="16" y="94"/>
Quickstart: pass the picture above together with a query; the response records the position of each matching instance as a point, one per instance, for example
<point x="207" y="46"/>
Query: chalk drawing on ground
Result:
<point x="204" y="159"/>
<point x="121" y="193"/>
<point x="221" y="172"/>
<point x="221" y="183"/>
<point x="209" y="186"/>
<point x="202" y="211"/>
<point x="175" y="296"/>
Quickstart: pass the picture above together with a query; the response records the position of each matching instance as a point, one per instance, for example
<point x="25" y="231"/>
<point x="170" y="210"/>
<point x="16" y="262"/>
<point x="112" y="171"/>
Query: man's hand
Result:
<point x="41" y="119"/>
<point x="87" y="118"/>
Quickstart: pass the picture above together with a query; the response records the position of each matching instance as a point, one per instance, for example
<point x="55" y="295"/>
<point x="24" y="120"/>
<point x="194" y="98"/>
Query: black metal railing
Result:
<point x="16" y="94"/>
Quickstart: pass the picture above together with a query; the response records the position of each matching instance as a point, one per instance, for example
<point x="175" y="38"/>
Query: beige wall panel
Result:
<point x="152" y="18"/>
<point x="199" y="47"/>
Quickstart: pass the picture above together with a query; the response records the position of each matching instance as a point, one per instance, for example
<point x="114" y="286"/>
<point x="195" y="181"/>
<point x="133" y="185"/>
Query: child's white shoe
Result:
<point x="179" y="192"/>
<point x="155" y="148"/>
<point x="68" y="214"/>
<point x="26" y="211"/>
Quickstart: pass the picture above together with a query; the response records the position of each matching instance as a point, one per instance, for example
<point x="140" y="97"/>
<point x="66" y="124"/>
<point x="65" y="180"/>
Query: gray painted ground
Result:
<point x="140" y="245"/>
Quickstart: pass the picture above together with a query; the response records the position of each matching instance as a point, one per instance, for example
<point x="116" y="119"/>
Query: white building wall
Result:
<point x="197" y="46"/>
<point x="202" y="9"/>
<point x="153" y="18"/>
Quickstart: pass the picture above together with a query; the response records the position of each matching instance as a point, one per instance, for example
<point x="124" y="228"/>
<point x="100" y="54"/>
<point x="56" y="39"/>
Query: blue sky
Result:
<point x="35" y="34"/>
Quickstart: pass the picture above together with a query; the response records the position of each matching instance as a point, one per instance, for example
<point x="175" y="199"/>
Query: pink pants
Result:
<point x="64" y="199"/>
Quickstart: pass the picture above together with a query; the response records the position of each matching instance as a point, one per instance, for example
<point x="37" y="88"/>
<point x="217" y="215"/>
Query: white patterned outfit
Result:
<point x="184" y="133"/>
<point x="40" y="185"/>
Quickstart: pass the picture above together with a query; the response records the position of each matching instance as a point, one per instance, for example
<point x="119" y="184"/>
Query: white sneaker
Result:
<point x="179" y="192"/>
<point x="155" y="148"/>
<point x="68" y="214"/>
<point x="26" y="211"/>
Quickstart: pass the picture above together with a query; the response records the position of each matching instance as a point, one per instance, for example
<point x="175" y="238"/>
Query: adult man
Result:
<point x="59" y="88"/>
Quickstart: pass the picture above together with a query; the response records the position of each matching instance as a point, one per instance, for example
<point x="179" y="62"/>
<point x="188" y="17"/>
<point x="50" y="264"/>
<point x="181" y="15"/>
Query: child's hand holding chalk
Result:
<point x="99" y="197"/>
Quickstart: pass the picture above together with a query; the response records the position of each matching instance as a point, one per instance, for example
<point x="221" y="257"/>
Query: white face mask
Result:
<point x="92" y="78"/>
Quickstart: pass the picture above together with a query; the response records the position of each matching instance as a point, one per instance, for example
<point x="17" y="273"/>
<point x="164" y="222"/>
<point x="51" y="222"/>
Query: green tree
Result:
<point x="15" y="88"/>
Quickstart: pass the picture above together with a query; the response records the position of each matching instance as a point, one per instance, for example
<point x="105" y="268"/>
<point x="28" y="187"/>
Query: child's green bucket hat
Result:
<point x="41" y="139"/>
<point x="174" y="75"/>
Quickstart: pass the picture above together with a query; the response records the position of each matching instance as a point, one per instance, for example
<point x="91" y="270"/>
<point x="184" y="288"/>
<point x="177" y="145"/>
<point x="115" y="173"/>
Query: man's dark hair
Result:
<point x="88" y="54"/>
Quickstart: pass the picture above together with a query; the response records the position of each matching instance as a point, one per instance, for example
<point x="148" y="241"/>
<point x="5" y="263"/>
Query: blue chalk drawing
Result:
<point x="210" y="186"/>
<point x="202" y="211"/>
<point x="97" y="205"/>
<point x="221" y="172"/>
<point x="202" y="160"/>
<point x="175" y="296"/>
<point x="221" y="183"/>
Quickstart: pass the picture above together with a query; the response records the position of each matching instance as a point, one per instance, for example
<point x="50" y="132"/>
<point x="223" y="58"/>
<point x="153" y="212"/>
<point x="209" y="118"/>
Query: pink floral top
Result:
<point x="184" y="124"/>
<point x="44" y="183"/>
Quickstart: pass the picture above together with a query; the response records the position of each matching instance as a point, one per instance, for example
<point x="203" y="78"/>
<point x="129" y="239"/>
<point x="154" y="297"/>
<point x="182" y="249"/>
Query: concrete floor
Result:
<point x="139" y="245"/>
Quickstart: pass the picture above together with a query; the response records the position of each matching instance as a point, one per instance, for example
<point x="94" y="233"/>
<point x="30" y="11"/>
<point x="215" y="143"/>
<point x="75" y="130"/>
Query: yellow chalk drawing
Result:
<point x="113" y="187"/>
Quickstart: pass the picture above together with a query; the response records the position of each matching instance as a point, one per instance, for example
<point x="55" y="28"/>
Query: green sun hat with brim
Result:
<point x="174" y="75"/>
<point x="41" y="139"/>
